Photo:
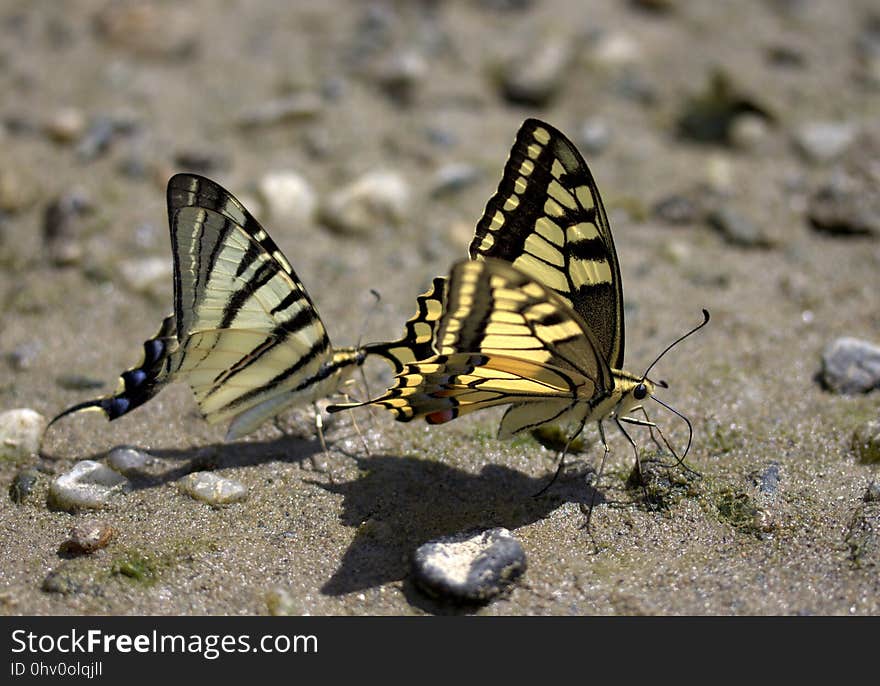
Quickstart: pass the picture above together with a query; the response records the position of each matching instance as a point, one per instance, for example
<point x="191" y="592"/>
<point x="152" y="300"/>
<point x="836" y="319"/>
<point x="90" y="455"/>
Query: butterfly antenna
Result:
<point x="675" y="343"/>
<point x="360" y="340"/>
<point x="686" y="421"/>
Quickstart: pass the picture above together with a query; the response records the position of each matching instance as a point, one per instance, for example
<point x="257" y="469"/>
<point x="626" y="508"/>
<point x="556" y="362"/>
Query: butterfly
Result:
<point x="244" y="334"/>
<point x="535" y="319"/>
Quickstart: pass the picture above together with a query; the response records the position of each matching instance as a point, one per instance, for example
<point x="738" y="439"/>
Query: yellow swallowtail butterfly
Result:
<point x="535" y="319"/>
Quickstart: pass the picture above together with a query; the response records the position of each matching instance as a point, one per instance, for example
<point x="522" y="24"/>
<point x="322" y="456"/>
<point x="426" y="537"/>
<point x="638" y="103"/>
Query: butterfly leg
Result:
<point x="319" y="427"/>
<point x="562" y="457"/>
<point x="638" y="465"/>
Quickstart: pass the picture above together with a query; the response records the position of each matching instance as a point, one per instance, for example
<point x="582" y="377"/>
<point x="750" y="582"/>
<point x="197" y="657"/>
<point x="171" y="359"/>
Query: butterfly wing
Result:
<point x="249" y="334"/>
<point x="419" y="331"/>
<point x="547" y="219"/>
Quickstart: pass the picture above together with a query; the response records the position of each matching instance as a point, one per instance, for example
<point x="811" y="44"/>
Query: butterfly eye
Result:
<point x="639" y="392"/>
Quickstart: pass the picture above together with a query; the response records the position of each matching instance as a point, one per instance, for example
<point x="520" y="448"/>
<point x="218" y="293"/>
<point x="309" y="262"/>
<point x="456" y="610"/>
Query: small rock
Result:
<point x="213" y="489"/>
<point x="146" y="275"/>
<point x="863" y="537"/>
<point x="66" y="125"/>
<point x="767" y="480"/>
<point x="87" y="537"/>
<point x="847" y="204"/>
<point x="149" y="28"/>
<point x="62" y="581"/>
<point x="23" y="485"/>
<point x="872" y="493"/>
<point x="296" y="107"/>
<point x="128" y="460"/>
<point x="866" y="442"/>
<point x="616" y="49"/>
<point x="23" y="356"/>
<point x="16" y="191"/>
<point x="537" y="76"/>
<point x="737" y="229"/>
<point x="452" y="178"/>
<point x="61" y="227"/>
<point x="400" y="76"/>
<point x="748" y="131"/>
<point x="851" y="365"/>
<point x="469" y="567"/>
<point x="677" y="209"/>
<point x="200" y="161"/>
<point x="288" y="196"/>
<point x="824" y="141"/>
<point x="100" y="135"/>
<point x="281" y="603"/>
<point x="20" y="433"/>
<point x="88" y="484"/>
<point x="376" y="198"/>
<point x="594" y="136"/>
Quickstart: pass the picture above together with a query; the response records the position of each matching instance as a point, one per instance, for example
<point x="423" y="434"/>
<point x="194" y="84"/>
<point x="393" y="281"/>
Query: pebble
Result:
<point x="737" y="229"/>
<point x="149" y="28"/>
<point x="281" y="603"/>
<point x="851" y="365"/>
<point x="767" y="480"/>
<point x="23" y="485"/>
<point x="377" y="198"/>
<point x="538" y="75"/>
<point x="863" y="537"/>
<point x="146" y="275"/>
<point x="128" y="461"/>
<point x="16" y="191"/>
<point x="100" y="135"/>
<point x="400" y="75"/>
<point x="288" y="196"/>
<point x="749" y="132"/>
<point x="616" y="49"/>
<point x="469" y="567"/>
<point x="872" y="493"/>
<point x="677" y="209"/>
<point x="66" y="125"/>
<point x="88" y="484"/>
<point x="452" y="178"/>
<point x="87" y="537"/>
<point x="824" y="141"/>
<point x="23" y="356"/>
<point x="594" y="136"/>
<point x="291" y="108"/>
<point x="847" y="204"/>
<point x="866" y="442"/>
<point x="20" y="433"/>
<point x="213" y="489"/>
<point x="61" y="227"/>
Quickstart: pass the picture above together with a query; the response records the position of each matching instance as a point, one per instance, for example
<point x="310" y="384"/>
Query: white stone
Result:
<point x="127" y="460"/>
<point x="20" y="433"/>
<point x="144" y="274"/>
<point x="288" y="196"/>
<point x="88" y="484"/>
<point x="213" y="489"/>
<point x="376" y="198"/>
<point x="824" y="141"/>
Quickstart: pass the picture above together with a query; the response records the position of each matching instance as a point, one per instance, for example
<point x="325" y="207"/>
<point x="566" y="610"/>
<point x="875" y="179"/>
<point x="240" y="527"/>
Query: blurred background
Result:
<point x="735" y="145"/>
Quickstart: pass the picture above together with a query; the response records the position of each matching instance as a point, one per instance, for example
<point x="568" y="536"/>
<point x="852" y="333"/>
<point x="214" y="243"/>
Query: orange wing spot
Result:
<point x="440" y="417"/>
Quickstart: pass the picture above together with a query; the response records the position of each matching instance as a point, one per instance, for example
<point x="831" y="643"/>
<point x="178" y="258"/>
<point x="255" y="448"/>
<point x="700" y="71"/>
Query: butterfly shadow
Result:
<point x="398" y="503"/>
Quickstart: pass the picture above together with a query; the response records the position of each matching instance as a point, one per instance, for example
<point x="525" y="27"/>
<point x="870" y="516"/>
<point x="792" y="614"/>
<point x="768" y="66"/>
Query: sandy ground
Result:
<point x="177" y="78"/>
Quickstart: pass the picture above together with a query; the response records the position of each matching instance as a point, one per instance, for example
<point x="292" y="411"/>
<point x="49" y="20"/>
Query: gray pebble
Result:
<point x="23" y="485"/>
<point x="375" y="199"/>
<point x="824" y="141"/>
<point x="768" y="479"/>
<point x="848" y="204"/>
<point x="452" y="178"/>
<point x="737" y="229"/>
<point x="87" y="537"/>
<point x="594" y="136"/>
<point x="23" y="356"/>
<point x="851" y="365"/>
<point x="128" y="461"/>
<point x="294" y="107"/>
<point x="677" y="209"/>
<point x="537" y="76"/>
<point x="88" y="485"/>
<point x="400" y="76"/>
<point x="20" y="433"/>
<point x="100" y="135"/>
<point x="863" y="537"/>
<point x="872" y="493"/>
<point x="61" y="224"/>
<point x="213" y="489"/>
<point x="866" y="442"/>
<point x="469" y="567"/>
